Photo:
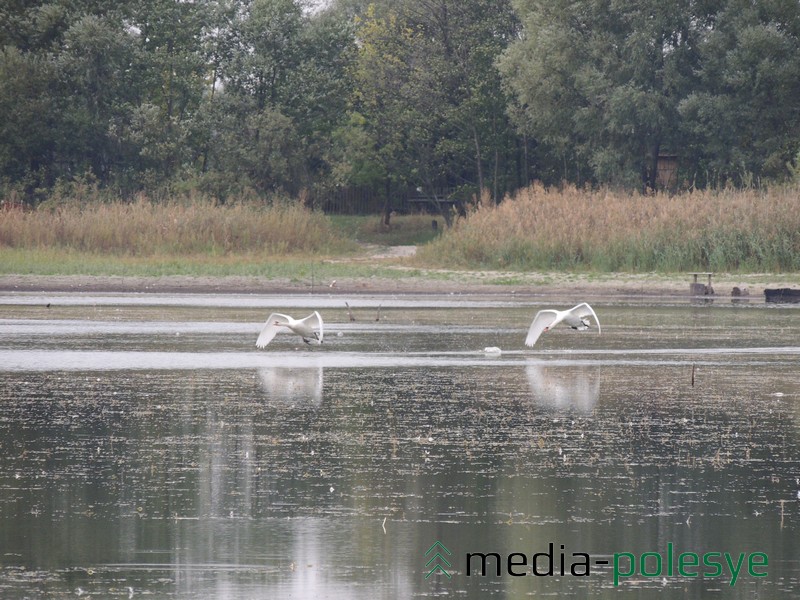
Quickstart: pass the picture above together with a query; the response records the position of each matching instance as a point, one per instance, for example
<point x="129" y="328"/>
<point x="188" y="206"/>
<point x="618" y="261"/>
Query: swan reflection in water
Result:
<point x="561" y="388"/>
<point x="292" y="386"/>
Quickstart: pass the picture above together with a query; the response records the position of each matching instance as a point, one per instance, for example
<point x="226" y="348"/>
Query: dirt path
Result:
<point x="381" y="252"/>
<point x="372" y="252"/>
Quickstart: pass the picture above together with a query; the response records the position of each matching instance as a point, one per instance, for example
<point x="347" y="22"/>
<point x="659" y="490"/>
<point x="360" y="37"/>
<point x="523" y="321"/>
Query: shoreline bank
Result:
<point x="542" y="284"/>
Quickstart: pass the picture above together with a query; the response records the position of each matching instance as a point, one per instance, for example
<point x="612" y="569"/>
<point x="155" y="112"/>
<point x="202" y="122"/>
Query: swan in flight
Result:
<point x="546" y="319"/>
<point x="310" y="328"/>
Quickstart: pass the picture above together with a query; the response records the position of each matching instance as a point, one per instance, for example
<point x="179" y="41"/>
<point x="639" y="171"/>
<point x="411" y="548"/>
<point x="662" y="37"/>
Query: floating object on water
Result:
<point x="492" y="350"/>
<point x="575" y="317"/>
<point x="310" y="328"/>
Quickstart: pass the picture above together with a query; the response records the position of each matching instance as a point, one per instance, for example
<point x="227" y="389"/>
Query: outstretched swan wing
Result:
<point x="584" y="310"/>
<point x="314" y="322"/>
<point x="542" y="320"/>
<point x="271" y="328"/>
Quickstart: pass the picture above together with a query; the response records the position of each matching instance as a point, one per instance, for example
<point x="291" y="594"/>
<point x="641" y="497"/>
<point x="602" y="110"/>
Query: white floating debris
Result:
<point x="492" y="350"/>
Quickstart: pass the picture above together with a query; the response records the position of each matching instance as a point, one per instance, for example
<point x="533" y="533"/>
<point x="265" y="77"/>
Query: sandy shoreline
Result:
<point x="607" y="285"/>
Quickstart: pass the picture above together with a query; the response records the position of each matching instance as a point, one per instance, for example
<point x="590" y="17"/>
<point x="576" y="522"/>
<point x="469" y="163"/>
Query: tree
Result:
<point x="742" y="121"/>
<point x="283" y="70"/>
<point x="66" y="77"/>
<point x="601" y="83"/>
<point x="457" y="50"/>
<point x="95" y="63"/>
<point x="173" y="66"/>
<point x="319" y="88"/>
<point x="428" y="93"/>
<point x="265" y="49"/>
<point x="29" y="101"/>
<point x="381" y="77"/>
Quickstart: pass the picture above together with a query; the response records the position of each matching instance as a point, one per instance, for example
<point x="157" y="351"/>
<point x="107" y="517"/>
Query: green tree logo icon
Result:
<point x="437" y="559"/>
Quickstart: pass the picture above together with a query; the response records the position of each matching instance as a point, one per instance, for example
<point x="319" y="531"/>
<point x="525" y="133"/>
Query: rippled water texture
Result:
<point x="147" y="448"/>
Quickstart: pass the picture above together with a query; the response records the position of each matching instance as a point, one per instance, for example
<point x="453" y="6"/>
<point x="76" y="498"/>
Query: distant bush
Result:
<point x="538" y="228"/>
<point x="180" y="227"/>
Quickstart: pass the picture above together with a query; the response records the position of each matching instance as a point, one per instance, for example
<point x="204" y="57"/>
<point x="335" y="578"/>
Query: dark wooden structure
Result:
<point x="418" y="201"/>
<point x="782" y="295"/>
<point x="697" y="288"/>
<point x="667" y="172"/>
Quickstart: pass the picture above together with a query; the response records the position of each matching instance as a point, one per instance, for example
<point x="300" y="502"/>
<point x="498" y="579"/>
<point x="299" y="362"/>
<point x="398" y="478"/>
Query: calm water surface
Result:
<point x="147" y="448"/>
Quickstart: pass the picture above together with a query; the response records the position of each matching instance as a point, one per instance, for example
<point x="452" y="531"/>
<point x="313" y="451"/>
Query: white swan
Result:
<point x="305" y="328"/>
<point x="546" y="319"/>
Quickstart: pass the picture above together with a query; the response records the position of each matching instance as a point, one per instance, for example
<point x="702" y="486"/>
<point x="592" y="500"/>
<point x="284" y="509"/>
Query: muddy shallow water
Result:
<point x="147" y="448"/>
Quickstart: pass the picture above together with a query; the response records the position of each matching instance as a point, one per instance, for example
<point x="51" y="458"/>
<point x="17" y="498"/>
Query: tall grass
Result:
<point x="196" y="227"/>
<point x="538" y="228"/>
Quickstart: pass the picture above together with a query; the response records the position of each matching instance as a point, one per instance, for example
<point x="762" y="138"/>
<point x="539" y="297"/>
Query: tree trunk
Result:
<point x="652" y="167"/>
<point x="448" y="218"/>
<point x="478" y="160"/>
<point x="387" y="204"/>
<point x="496" y="164"/>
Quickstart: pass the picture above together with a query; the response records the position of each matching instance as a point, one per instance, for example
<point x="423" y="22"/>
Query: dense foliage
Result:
<point x="263" y="96"/>
<point x="611" y="85"/>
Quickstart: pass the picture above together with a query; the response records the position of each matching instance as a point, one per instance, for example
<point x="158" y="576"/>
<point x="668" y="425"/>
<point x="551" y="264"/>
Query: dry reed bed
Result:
<point x="144" y="228"/>
<point x="538" y="228"/>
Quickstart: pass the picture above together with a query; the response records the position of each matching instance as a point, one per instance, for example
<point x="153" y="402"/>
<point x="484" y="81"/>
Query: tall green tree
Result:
<point x="429" y="96"/>
<point x="319" y="87"/>
<point x="600" y="83"/>
<point x="742" y="120"/>
<point x="281" y="70"/>
<point x="459" y="43"/>
<point x="95" y="64"/>
<point x="66" y="68"/>
<point x="174" y="68"/>
<point x="265" y="49"/>
<point x="381" y="112"/>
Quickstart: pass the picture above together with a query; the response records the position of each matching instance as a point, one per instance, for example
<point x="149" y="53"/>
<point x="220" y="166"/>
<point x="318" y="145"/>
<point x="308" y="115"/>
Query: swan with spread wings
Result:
<point x="576" y="317"/>
<point x="310" y="328"/>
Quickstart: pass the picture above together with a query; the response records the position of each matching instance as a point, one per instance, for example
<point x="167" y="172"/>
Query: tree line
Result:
<point x="227" y="97"/>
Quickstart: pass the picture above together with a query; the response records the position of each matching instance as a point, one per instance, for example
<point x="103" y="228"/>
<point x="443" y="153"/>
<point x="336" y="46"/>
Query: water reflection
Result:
<point x="288" y="386"/>
<point x="242" y="474"/>
<point x="561" y="388"/>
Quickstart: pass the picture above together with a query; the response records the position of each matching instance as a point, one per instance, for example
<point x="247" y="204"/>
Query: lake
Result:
<point x="147" y="448"/>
